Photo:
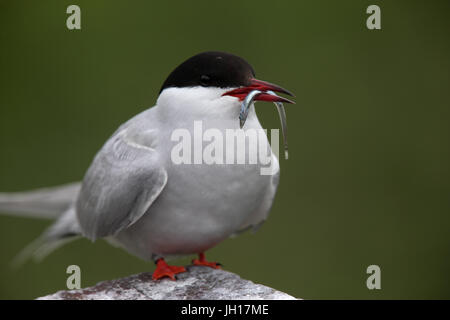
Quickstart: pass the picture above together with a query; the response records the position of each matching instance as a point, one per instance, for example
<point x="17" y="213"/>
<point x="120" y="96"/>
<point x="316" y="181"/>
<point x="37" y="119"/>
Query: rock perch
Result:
<point x="199" y="283"/>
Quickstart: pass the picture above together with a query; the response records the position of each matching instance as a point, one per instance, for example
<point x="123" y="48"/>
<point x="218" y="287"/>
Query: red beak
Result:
<point x="263" y="86"/>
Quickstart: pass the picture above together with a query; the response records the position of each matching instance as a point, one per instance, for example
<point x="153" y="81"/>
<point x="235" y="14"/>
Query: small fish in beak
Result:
<point x="260" y="90"/>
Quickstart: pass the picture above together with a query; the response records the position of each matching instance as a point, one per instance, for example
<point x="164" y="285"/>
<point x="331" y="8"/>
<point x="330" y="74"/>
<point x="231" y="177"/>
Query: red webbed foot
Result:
<point x="201" y="261"/>
<point x="164" y="270"/>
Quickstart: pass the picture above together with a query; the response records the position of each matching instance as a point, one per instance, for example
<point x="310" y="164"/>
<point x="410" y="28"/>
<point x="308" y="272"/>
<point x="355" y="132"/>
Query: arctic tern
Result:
<point x="134" y="195"/>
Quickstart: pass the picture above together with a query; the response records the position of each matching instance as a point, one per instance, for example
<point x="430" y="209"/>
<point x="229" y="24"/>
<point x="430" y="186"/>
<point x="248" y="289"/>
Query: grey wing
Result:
<point x="124" y="179"/>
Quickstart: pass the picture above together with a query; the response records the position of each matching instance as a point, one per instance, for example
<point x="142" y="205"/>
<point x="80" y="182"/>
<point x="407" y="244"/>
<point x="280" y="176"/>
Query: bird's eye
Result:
<point x="204" y="80"/>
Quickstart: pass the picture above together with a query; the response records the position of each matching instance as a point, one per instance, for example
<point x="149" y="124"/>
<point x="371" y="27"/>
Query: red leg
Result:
<point x="164" y="270"/>
<point x="201" y="261"/>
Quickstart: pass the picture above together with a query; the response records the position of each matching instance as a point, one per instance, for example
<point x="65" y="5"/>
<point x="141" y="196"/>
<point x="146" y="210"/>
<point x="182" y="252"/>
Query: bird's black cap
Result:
<point x="211" y="69"/>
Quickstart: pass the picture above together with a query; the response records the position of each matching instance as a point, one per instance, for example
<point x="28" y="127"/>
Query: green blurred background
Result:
<point x="368" y="179"/>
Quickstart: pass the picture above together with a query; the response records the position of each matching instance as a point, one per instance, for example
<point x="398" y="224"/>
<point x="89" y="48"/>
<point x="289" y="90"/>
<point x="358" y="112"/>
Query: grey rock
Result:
<point x="199" y="283"/>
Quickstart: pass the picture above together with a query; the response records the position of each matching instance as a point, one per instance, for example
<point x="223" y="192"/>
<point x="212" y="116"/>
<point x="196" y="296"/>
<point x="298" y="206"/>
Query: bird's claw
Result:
<point x="164" y="270"/>
<point x="201" y="261"/>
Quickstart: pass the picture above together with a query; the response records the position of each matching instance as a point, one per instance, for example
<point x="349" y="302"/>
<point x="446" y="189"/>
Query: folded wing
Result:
<point x="123" y="181"/>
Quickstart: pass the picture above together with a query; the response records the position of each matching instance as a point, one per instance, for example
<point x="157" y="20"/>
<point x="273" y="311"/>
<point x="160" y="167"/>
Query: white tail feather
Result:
<point x="53" y="203"/>
<point x="41" y="203"/>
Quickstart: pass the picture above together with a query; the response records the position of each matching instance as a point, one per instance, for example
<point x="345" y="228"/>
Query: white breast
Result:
<point x="202" y="204"/>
